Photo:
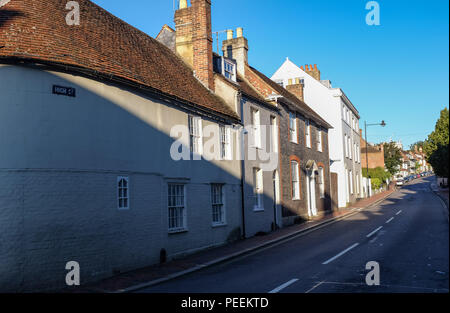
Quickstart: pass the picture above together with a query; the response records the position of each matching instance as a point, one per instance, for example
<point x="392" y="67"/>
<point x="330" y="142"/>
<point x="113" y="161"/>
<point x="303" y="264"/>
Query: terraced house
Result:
<point x="125" y="151"/>
<point x="305" y="188"/>
<point x="87" y="113"/>
<point x="259" y="152"/>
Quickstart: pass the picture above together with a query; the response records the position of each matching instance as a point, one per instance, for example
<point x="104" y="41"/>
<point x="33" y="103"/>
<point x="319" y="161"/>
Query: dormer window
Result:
<point x="226" y="67"/>
<point x="229" y="70"/>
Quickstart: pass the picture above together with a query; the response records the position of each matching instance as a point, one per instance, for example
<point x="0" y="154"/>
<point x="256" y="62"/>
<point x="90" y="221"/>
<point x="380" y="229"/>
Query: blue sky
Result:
<point x="397" y="71"/>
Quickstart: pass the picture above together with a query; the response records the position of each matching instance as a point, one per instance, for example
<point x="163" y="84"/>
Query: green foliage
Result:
<point x="378" y="176"/>
<point x="417" y="167"/>
<point x="436" y="146"/>
<point x="376" y="183"/>
<point x="392" y="157"/>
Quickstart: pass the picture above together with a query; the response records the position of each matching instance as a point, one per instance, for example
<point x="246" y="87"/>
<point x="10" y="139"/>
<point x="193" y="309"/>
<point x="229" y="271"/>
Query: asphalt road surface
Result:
<point x="407" y="235"/>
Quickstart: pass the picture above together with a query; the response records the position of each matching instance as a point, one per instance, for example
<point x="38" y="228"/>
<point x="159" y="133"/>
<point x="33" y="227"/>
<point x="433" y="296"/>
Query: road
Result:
<point x="407" y="234"/>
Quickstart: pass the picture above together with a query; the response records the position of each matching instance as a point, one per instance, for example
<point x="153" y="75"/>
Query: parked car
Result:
<point x="399" y="182"/>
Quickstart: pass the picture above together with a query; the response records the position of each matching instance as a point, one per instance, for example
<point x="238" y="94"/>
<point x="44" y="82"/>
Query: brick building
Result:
<point x="374" y="156"/>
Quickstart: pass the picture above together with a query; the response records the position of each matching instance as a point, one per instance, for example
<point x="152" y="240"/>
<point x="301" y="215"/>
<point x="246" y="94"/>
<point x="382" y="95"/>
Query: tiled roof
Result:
<point x="301" y="106"/>
<point x="248" y="90"/>
<point x="36" y="30"/>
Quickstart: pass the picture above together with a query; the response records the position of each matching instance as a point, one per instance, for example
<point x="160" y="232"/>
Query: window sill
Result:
<point x="296" y="199"/>
<point x="178" y="231"/>
<point x="218" y="225"/>
<point x="258" y="209"/>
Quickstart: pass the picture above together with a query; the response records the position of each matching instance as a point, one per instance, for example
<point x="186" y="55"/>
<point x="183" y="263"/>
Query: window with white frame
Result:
<point x="225" y="143"/>
<point x="274" y="132"/>
<point x="358" y="191"/>
<point x="349" y="147"/>
<point x="350" y="174"/>
<point x="196" y="136"/>
<point x="295" y="180"/>
<point x="308" y="133"/>
<point x="176" y="207"/>
<point x="256" y="122"/>
<point x="218" y="204"/>
<point x="345" y="146"/>
<point x="293" y="127"/>
<point x="319" y="139"/>
<point x="123" y="201"/>
<point x="358" y="153"/>
<point x="321" y="182"/>
<point x="229" y="70"/>
<point x="257" y="189"/>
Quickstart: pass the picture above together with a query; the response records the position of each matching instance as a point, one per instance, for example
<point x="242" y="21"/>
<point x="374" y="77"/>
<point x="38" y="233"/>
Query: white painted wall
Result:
<point x="59" y="162"/>
<point x="327" y="102"/>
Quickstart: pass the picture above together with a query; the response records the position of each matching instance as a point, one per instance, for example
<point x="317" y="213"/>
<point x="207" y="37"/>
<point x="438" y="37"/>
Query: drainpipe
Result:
<point x="239" y="99"/>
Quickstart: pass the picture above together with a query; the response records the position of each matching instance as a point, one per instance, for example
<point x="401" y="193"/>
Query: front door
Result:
<point x="311" y="184"/>
<point x="275" y="198"/>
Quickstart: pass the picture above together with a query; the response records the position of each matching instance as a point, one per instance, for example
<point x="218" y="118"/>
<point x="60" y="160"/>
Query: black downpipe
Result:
<point x="242" y="166"/>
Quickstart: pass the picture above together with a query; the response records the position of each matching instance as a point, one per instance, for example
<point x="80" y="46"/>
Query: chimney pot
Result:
<point x="183" y="4"/>
<point x="229" y="34"/>
<point x="239" y="32"/>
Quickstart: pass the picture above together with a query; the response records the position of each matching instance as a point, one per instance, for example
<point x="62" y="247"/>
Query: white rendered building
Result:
<point x="344" y="139"/>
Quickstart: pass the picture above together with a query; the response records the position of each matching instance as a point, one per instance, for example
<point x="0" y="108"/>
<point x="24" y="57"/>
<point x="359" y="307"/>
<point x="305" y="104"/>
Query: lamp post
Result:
<point x="382" y="124"/>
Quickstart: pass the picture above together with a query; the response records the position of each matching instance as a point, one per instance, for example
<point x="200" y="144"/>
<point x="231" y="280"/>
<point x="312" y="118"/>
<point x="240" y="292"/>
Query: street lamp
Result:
<point x="382" y="124"/>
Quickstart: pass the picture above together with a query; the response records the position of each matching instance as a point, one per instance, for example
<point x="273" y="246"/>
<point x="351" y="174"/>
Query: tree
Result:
<point x="417" y="167"/>
<point x="392" y="157"/>
<point x="436" y="146"/>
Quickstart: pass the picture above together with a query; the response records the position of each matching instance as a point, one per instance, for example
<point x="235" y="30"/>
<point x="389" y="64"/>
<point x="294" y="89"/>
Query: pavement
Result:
<point x="443" y="193"/>
<point x="157" y="274"/>
<point x="406" y="235"/>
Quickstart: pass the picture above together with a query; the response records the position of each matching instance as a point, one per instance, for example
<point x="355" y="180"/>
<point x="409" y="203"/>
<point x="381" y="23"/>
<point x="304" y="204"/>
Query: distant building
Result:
<point x="375" y="154"/>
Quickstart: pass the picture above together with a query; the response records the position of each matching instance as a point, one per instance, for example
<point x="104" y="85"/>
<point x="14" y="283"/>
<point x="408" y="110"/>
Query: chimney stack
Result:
<point x="296" y="89"/>
<point x="312" y="71"/>
<point x="229" y="34"/>
<point x="194" y="38"/>
<point x="183" y="4"/>
<point x="237" y="49"/>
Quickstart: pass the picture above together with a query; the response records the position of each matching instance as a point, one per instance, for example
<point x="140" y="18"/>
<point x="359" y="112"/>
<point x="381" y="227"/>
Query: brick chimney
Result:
<point x="296" y="89"/>
<point x="194" y="38"/>
<point x="312" y="71"/>
<point x="236" y="49"/>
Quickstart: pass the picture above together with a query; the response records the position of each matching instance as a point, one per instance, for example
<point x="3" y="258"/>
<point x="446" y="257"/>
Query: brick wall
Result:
<point x="292" y="208"/>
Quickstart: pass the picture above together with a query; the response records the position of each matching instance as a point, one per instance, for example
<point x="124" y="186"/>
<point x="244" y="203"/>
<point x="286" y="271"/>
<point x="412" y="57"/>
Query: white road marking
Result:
<point x="389" y="220"/>
<point x="398" y="212"/>
<point x="369" y="235"/>
<point x="281" y="287"/>
<point x="340" y="254"/>
<point x="314" y="287"/>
